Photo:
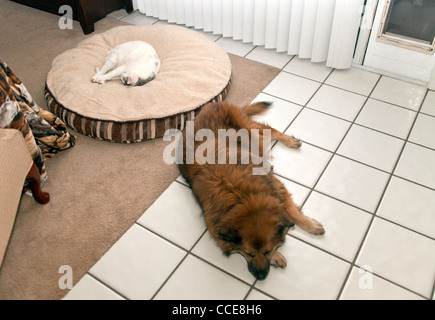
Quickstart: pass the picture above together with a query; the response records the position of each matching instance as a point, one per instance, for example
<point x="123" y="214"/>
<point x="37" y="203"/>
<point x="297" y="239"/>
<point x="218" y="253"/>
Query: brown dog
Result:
<point x="245" y="213"/>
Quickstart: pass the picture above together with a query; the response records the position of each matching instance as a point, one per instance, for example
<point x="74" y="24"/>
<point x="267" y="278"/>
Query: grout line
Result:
<point x="250" y="52"/>
<point x="106" y="285"/>
<point x="413" y="182"/>
<point x="169" y="276"/>
<point x="317" y="247"/>
<point x="259" y="290"/>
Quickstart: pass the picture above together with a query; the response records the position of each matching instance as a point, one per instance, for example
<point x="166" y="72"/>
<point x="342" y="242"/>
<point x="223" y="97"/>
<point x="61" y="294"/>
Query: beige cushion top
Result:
<point x="193" y="71"/>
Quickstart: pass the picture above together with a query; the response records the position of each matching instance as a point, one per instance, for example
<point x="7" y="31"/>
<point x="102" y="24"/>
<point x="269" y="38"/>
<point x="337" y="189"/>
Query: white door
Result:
<point x="394" y="48"/>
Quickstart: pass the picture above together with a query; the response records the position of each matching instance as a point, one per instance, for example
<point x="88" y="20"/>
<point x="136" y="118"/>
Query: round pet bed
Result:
<point x="194" y="71"/>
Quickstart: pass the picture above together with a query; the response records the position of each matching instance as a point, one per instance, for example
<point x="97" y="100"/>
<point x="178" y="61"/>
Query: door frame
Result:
<point x="388" y="58"/>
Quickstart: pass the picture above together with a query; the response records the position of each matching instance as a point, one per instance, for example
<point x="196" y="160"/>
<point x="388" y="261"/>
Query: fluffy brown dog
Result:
<point x="245" y="213"/>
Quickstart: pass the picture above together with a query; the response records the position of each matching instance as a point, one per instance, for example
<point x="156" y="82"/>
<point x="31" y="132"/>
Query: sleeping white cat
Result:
<point x="134" y="62"/>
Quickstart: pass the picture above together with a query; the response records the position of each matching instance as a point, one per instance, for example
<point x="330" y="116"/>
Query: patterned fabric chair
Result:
<point x="28" y="136"/>
<point x="44" y="133"/>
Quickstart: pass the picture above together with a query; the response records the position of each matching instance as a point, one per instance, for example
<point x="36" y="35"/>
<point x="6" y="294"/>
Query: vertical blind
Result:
<point x="320" y="30"/>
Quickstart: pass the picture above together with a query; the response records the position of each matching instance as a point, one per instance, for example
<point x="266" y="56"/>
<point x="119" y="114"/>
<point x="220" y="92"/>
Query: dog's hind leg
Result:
<point x="261" y="107"/>
<point x="288" y="141"/>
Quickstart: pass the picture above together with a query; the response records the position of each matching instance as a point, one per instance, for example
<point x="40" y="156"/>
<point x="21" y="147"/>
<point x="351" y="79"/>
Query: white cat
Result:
<point x="134" y="62"/>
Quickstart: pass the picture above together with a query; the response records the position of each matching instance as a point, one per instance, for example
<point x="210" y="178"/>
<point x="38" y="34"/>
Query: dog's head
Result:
<point x="254" y="228"/>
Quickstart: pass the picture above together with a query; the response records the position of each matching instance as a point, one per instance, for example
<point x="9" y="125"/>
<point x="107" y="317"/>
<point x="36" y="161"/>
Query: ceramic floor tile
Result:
<point x="257" y="295"/>
<point x="409" y="205"/>
<point x="400" y="255"/>
<point x="88" y="288"/>
<point x="139" y="19"/>
<point x="307" y="69"/>
<point x="270" y="57"/>
<point x="337" y="102"/>
<point x="399" y="92"/>
<point x="166" y="22"/>
<point x="429" y="104"/>
<point x="344" y="226"/>
<point x="362" y="285"/>
<point x="279" y="115"/>
<point x="353" y="79"/>
<point x="423" y="131"/>
<point x="118" y="14"/>
<point x="182" y="180"/>
<point x="319" y="129"/>
<point x="299" y="193"/>
<point x="310" y="274"/>
<point x="137" y="264"/>
<point x="197" y="280"/>
<point x="371" y="147"/>
<point x="176" y="215"/>
<point x="209" y="35"/>
<point x="238" y="48"/>
<point x="292" y="88"/>
<point x="386" y="118"/>
<point x="302" y="165"/>
<point x="235" y="264"/>
<point x="417" y="164"/>
<point x="354" y="183"/>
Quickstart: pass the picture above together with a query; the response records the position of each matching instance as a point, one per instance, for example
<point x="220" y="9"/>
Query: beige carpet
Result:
<point x="98" y="189"/>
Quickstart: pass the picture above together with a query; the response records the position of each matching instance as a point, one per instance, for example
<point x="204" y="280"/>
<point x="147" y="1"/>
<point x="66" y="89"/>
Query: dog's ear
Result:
<point x="230" y="235"/>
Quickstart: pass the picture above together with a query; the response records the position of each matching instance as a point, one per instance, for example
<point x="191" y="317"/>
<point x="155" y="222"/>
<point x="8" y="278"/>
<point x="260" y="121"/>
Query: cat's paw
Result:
<point x="98" y="79"/>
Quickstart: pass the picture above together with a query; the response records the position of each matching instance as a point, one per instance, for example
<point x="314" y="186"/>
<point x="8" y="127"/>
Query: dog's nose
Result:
<point x="261" y="271"/>
<point x="261" y="274"/>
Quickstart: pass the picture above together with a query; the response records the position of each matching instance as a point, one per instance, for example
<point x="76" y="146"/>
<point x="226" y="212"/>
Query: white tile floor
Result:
<point x="366" y="170"/>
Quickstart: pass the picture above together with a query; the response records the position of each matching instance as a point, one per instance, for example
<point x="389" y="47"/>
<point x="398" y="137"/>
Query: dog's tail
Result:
<point x="256" y="108"/>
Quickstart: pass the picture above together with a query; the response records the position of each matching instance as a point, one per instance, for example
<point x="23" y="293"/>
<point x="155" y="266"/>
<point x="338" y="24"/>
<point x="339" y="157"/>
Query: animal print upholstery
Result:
<point x="44" y="133"/>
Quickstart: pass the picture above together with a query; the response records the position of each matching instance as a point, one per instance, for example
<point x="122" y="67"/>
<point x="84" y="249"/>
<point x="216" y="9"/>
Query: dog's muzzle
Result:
<point x="258" y="273"/>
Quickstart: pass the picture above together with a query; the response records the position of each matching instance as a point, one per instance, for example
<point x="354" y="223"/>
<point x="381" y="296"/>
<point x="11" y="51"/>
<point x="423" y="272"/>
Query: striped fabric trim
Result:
<point x="128" y="131"/>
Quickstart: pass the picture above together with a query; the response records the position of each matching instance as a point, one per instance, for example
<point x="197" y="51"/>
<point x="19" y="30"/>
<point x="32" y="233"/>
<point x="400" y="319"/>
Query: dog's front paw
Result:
<point x="277" y="260"/>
